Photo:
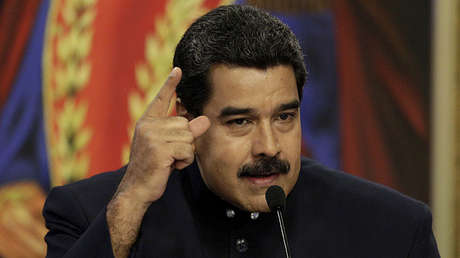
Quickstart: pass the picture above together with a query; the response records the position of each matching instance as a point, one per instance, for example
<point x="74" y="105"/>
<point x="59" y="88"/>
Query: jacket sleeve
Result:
<point x="71" y="234"/>
<point x="424" y="245"/>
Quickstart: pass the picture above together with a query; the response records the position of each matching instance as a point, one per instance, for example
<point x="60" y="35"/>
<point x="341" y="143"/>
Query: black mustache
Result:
<point x="265" y="167"/>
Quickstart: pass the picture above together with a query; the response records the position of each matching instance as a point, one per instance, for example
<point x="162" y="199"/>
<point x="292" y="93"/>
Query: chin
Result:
<point x="256" y="205"/>
<point x="264" y="209"/>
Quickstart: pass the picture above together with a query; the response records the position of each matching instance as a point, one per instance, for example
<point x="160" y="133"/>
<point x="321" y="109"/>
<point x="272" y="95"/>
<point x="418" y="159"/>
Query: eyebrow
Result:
<point x="232" y="111"/>
<point x="291" y="105"/>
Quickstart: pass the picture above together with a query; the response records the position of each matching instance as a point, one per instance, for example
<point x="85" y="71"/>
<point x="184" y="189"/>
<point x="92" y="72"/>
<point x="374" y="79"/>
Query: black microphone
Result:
<point x="276" y="200"/>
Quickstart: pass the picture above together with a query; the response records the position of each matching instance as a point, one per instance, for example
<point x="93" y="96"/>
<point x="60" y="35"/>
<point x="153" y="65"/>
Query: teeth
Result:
<point x="263" y="175"/>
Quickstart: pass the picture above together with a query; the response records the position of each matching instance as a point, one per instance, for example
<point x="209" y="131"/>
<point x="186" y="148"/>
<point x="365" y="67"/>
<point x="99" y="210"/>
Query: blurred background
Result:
<point x="382" y="99"/>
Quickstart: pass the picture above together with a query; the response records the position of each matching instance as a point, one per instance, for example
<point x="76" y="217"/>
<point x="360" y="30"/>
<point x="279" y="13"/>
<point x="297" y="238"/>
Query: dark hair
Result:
<point x="238" y="35"/>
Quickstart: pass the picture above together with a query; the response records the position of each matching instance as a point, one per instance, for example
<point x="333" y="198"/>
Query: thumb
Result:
<point x="199" y="125"/>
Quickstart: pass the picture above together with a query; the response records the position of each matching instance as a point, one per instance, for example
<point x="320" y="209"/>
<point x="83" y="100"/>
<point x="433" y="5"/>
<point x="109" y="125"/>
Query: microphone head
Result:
<point x="275" y="197"/>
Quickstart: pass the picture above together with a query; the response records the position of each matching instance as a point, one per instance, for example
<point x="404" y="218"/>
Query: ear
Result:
<point x="182" y="111"/>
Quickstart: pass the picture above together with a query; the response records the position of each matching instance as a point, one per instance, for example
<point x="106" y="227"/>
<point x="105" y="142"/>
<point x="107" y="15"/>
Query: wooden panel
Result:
<point x="457" y="141"/>
<point x="446" y="125"/>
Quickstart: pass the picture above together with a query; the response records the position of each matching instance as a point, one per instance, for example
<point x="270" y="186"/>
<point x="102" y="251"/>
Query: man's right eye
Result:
<point x="238" y="121"/>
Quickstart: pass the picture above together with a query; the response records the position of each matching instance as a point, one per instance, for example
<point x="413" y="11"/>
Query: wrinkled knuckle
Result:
<point x="159" y="98"/>
<point x="189" y="137"/>
<point x="147" y="132"/>
<point x="188" y="149"/>
<point x="180" y="121"/>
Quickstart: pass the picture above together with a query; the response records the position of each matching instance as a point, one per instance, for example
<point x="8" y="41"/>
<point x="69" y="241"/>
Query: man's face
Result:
<point x="255" y="134"/>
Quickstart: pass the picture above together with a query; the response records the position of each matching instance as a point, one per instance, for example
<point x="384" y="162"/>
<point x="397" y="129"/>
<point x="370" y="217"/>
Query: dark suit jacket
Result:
<point x="328" y="214"/>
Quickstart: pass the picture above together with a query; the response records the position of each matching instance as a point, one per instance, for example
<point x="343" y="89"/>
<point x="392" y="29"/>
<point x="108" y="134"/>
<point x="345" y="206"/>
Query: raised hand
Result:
<point x="161" y="143"/>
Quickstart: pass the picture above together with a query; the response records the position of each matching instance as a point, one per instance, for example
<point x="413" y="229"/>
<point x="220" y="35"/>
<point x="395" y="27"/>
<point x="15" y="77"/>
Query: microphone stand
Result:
<point x="283" y="232"/>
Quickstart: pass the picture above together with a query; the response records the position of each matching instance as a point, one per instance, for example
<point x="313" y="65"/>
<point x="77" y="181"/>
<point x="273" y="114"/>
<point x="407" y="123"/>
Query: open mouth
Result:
<point x="262" y="176"/>
<point x="262" y="180"/>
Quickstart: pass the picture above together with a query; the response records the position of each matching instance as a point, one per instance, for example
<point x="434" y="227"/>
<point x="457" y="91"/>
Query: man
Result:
<point x="195" y="183"/>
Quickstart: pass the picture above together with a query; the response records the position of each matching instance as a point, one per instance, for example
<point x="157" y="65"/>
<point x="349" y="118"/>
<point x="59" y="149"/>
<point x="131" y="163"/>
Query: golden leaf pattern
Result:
<point x="69" y="136"/>
<point x="21" y="223"/>
<point x="159" y="51"/>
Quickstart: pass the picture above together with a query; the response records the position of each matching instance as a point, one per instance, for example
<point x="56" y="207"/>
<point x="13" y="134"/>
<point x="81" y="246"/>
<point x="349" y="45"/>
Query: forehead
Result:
<point x="248" y="87"/>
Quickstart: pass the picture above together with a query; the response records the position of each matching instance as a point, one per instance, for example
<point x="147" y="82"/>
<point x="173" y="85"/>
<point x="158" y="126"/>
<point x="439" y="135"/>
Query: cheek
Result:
<point x="219" y="149"/>
<point x="291" y="147"/>
<point x="292" y="140"/>
<point x="220" y="158"/>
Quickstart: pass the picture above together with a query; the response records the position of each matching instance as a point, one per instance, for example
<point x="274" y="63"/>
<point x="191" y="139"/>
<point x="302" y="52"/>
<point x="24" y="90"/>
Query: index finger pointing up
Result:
<point x="160" y="104"/>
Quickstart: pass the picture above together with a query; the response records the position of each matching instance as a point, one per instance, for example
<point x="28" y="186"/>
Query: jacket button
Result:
<point x="254" y="215"/>
<point x="241" y="245"/>
<point x="230" y="213"/>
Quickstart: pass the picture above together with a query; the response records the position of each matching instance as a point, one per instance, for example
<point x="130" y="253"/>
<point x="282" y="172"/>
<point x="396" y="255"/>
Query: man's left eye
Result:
<point x="285" y="116"/>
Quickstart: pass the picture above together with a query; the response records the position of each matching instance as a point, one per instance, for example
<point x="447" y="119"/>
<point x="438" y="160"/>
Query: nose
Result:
<point x="265" y="142"/>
